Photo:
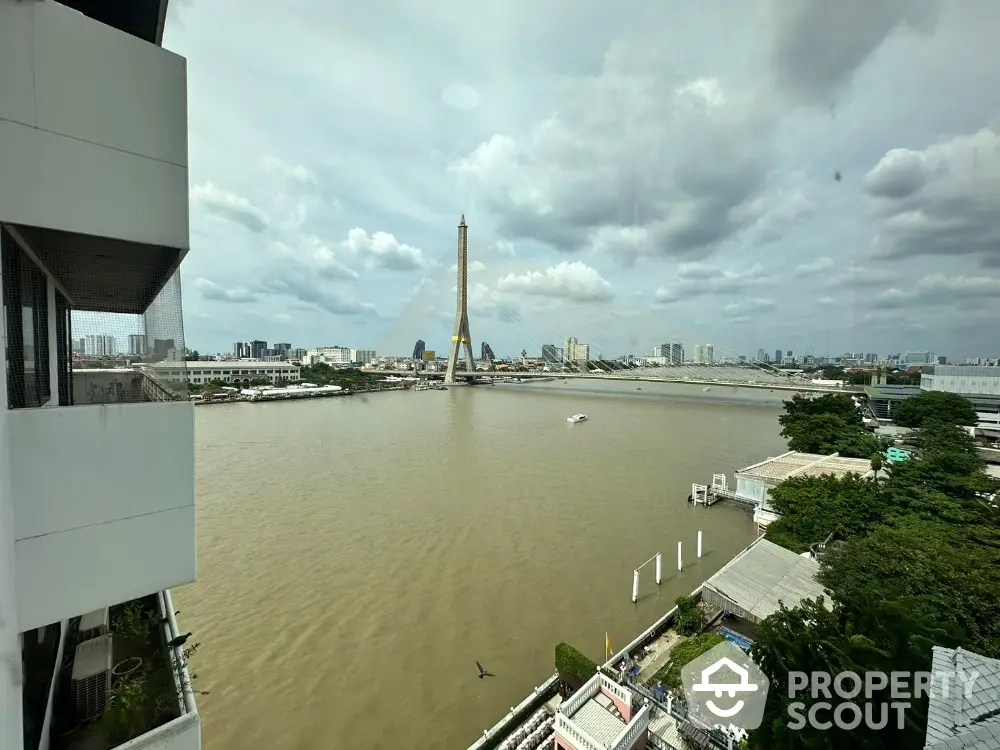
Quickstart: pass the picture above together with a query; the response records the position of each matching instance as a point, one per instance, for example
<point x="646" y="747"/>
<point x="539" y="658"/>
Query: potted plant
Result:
<point x="131" y="629"/>
<point x="129" y="710"/>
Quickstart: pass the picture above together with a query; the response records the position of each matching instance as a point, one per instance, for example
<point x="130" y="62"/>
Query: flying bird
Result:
<point x="482" y="671"/>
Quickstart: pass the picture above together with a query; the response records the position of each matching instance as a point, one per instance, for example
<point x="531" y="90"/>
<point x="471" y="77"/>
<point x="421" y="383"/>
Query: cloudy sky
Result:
<point x="632" y="173"/>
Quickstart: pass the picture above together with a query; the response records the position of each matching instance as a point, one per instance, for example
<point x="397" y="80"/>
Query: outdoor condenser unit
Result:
<point x="93" y="625"/>
<point x="91" y="681"/>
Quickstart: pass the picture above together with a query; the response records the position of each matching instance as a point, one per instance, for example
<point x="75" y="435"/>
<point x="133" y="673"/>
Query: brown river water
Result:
<point x="358" y="555"/>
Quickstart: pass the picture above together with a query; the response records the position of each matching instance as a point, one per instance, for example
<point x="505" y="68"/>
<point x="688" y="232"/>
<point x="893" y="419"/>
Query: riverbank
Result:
<point x="291" y="395"/>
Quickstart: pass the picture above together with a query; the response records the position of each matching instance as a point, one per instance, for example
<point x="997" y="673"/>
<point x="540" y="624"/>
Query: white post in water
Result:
<point x="699" y="544"/>
<point x="680" y="558"/>
<point x="659" y="568"/>
<point x="635" y="586"/>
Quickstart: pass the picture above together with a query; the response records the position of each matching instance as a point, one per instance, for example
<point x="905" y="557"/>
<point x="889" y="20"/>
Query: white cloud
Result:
<point x="382" y="250"/>
<point x="575" y="281"/>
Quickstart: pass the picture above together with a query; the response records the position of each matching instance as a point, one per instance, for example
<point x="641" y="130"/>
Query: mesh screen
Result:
<point x="61" y="354"/>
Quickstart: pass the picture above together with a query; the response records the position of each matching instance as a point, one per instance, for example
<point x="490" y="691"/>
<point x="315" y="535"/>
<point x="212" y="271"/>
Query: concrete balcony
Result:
<point x="93" y="132"/>
<point x="104" y="507"/>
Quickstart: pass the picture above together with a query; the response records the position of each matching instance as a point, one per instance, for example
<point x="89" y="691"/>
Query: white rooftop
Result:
<point x="790" y="464"/>
<point x="753" y="583"/>
<point x="599" y="718"/>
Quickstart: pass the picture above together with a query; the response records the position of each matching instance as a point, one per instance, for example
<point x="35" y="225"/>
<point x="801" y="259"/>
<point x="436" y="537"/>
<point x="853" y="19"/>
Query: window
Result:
<point x="25" y="299"/>
<point x="64" y="349"/>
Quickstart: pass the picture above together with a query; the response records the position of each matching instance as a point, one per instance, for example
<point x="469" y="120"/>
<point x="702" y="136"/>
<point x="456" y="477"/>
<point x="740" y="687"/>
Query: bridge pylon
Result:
<point x="461" y="336"/>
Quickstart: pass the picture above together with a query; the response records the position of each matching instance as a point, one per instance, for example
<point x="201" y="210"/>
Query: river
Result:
<point x="357" y="556"/>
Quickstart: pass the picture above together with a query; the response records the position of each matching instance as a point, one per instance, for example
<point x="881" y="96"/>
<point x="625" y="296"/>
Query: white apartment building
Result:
<point x="338" y="355"/>
<point x="99" y="346"/>
<point x="97" y="499"/>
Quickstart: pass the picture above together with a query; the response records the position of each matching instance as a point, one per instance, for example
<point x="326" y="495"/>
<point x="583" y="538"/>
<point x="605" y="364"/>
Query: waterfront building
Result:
<point x="97" y="499"/>
<point x="237" y="373"/>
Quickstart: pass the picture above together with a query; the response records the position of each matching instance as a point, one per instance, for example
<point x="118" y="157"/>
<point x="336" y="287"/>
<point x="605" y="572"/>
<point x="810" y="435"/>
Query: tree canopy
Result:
<point x="830" y="423"/>
<point x="934" y="405"/>
<point x="916" y="564"/>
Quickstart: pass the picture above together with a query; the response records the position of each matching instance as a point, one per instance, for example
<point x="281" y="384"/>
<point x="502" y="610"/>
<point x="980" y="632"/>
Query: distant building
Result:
<point x="550" y="353"/>
<point x="418" y="349"/>
<point x="257" y="349"/>
<point x="137" y="344"/>
<point x="237" y="373"/>
<point x="486" y="353"/>
<point x="99" y="346"/>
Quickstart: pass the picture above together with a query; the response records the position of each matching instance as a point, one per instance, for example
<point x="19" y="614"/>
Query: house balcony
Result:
<point x="104" y="505"/>
<point x="113" y="679"/>
<point x="602" y="715"/>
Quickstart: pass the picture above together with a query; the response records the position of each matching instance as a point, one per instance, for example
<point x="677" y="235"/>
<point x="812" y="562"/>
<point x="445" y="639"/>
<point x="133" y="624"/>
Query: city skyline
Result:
<point x="740" y="190"/>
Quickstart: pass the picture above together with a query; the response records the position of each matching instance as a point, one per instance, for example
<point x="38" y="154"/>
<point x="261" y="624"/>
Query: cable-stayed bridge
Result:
<point x="577" y="362"/>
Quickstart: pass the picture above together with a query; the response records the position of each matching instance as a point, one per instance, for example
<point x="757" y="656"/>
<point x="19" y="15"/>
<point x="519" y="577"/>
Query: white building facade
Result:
<point x="974" y="380"/>
<point x="97" y="486"/>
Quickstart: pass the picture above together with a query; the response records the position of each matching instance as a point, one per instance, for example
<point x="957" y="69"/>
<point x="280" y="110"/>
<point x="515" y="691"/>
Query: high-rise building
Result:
<point x="94" y="220"/>
<point x="418" y="349"/>
<point x="569" y="349"/>
<point x="676" y="354"/>
<point x="486" y="352"/>
<point x="699" y="354"/>
<point x="761" y="355"/>
<point x="241" y="350"/>
<point x="709" y="354"/>
<point x="550" y="353"/>
<point x="777" y="356"/>
<point x="137" y="344"/>
<point x="257" y="349"/>
<point x="99" y="346"/>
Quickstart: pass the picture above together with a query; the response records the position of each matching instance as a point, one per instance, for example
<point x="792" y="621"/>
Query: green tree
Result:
<point x="812" y="508"/>
<point x="935" y="405"/>
<point x="828" y="424"/>
<point x="929" y="564"/>
<point x="688" y="620"/>
<point x="864" y="635"/>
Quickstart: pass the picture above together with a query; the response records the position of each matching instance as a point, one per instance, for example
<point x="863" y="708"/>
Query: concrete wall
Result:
<point x="93" y="128"/>
<point x="103" y="500"/>
<point x="11" y="717"/>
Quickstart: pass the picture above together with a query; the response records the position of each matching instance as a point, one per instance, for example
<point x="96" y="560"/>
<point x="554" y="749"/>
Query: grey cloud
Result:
<point x="941" y="290"/>
<point x="227" y="205"/>
<point x="305" y="290"/>
<point x="698" y="280"/>
<point x="817" y="46"/>
<point x="819" y="265"/>
<point x="639" y="195"/>
<point x="863" y="277"/>
<point x="942" y="201"/>
<point x="748" y="307"/>
<point x="210" y="290"/>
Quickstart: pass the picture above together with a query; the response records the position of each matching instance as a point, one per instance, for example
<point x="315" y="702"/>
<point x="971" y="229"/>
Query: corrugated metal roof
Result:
<point x="780" y="468"/>
<point x="751" y="584"/>
<point x="964" y="702"/>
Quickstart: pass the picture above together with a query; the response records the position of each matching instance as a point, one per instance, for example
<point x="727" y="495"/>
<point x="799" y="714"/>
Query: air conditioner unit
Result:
<point x="93" y="625"/>
<point x="91" y="680"/>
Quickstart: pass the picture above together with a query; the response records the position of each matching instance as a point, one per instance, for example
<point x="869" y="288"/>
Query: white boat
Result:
<point x="707" y="388"/>
<point x="577" y="418"/>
